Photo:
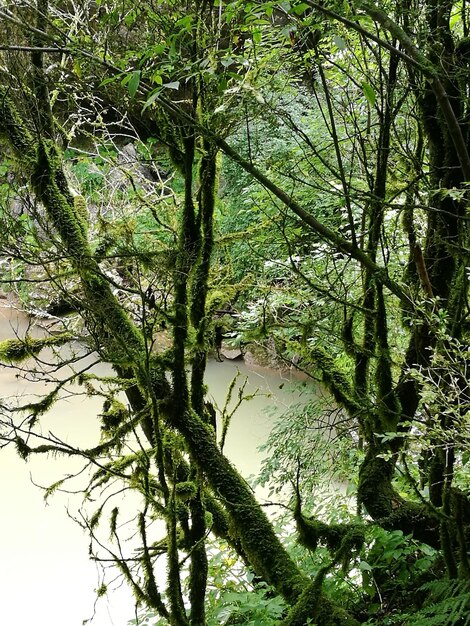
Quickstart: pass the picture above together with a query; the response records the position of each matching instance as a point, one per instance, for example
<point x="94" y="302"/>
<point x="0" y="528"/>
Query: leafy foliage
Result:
<point x="333" y="231"/>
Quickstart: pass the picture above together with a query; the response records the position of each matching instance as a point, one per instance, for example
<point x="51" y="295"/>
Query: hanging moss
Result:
<point x="95" y="518"/>
<point x="153" y="596"/>
<point x="113" y="415"/>
<point x="22" y="448"/>
<point x="113" y="521"/>
<point x="41" y="407"/>
<point x="137" y="590"/>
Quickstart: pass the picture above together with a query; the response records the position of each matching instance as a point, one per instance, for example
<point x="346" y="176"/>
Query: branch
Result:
<point x="414" y="57"/>
<point x="41" y="49"/>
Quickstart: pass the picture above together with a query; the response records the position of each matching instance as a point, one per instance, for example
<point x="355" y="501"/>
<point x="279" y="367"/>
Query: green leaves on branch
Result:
<point x="369" y="93"/>
<point x="133" y="83"/>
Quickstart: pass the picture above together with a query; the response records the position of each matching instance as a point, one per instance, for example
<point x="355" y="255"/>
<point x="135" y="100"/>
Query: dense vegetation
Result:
<point x="305" y="166"/>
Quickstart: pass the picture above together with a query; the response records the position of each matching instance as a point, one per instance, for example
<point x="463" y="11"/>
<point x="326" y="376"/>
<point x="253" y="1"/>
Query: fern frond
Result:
<point x="447" y="604"/>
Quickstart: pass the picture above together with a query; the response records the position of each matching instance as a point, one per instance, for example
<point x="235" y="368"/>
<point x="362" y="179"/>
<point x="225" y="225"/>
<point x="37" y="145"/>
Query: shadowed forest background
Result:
<point x="284" y="179"/>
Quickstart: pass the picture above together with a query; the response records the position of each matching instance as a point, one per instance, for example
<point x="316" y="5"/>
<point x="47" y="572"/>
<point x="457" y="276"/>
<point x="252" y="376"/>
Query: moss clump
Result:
<point x="114" y="414"/>
<point x="186" y="490"/>
<point x="22" y="448"/>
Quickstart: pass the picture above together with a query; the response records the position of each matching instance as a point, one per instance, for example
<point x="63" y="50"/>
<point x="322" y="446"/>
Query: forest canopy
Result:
<point x="289" y="178"/>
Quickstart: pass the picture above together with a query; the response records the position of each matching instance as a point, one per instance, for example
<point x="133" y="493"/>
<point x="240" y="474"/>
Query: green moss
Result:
<point x="314" y="606"/>
<point x="386" y="506"/>
<point x="114" y="415"/>
<point x="13" y="128"/>
<point x="51" y="187"/>
<point x="335" y="380"/>
<point x="174" y="591"/>
<point x="18" y="350"/>
<point x="186" y="490"/>
<point x="81" y="211"/>
<point x="22" y="448"/>
<point x="153" y="597"/>
<point x="388" y="405"/>
<point x="335" y="536"/>
<point x="95" y="518"/>
<point x="375" y="489"/>
<point x="41" y="407"/>
<point x="199" y="564"/>
<point x="258" y="540"/>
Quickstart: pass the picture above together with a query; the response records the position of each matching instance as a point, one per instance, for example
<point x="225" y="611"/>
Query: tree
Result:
<point x="389" y="87"/>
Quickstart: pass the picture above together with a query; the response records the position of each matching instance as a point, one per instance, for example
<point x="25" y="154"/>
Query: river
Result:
<point x="46" y="578"/>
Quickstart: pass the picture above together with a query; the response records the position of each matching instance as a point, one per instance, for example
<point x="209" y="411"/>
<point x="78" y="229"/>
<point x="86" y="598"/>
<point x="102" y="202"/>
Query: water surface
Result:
<point x="46" y="577"/>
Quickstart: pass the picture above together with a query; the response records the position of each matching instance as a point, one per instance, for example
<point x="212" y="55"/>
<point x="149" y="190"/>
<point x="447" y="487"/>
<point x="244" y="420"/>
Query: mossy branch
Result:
<point x="19" y="350"/>
<point x="335" y="380"/>
<point x="153" y="596"/>
<point x="387" y="400"/>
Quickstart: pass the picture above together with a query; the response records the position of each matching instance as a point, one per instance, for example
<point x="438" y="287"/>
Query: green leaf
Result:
<point x="298" y="9"/>
<point x="365" y="567"/>
<point x="185" y="22"/>
<point x="107" y="81"/>
<point x="456" y="15"/>
<point x="388" y="436"/>
<point x="133" y="83"/>
<point x="339" y="42"/>
<point x="369" y="93"/>
<point x="152" y="99"/>
<point x="77" y="68"/>
<point x="173" y="85"/>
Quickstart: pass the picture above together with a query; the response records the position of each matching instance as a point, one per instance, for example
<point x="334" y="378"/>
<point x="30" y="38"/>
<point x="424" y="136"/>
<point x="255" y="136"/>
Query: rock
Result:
<point x="231" y="355"/>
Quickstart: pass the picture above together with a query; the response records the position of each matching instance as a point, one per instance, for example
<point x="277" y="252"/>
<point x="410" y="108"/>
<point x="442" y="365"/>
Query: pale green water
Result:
<point x="46" y="578"/>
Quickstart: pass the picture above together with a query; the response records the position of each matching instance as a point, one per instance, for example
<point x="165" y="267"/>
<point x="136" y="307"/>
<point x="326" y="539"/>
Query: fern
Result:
<point x="447" y="604"/>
